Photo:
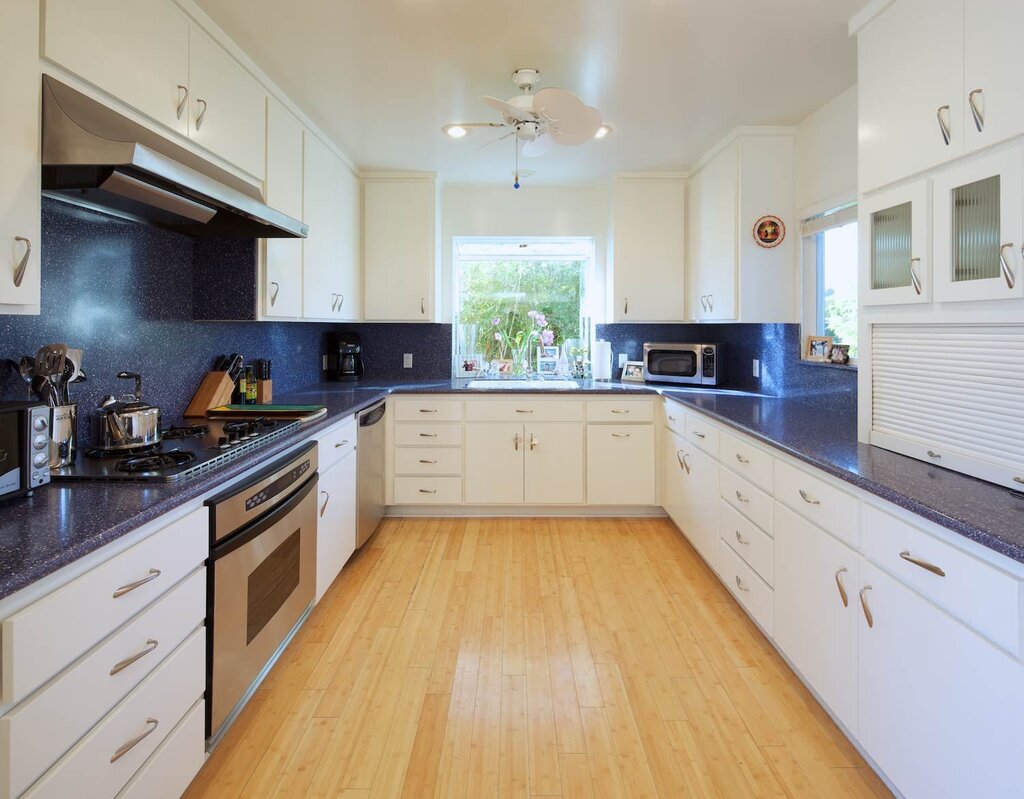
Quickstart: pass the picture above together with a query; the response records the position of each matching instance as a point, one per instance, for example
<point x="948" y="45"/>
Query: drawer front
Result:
<point x="525" y="409"/>
<point x="336" y="443"/>
<point x="748" y="541"/>
<point x="153" y="709"/>
<point x="982" y="596"/>
<point x="37" y="732"/>
<point x="89" y="608"/>
<point x="620" y="411"/>
<point x="747" y="498"/>
<point x="428" y="490"/>
<point x="427" y="409"/>
<point x="176" y="761"/>
<point x="752" y="463"/>
<point x="749" y="589"/>
<point x="428" y="460"/>
<point x="428" y="435"/>
<point x="673" y="416"/>
<point x="620" y="465"/>
<point x="831" y="509"/>
<point x="703" y="434"/>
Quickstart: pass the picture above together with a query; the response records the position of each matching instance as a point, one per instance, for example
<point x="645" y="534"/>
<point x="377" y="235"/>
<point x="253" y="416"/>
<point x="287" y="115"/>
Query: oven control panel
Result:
<point x="282" y="483"/>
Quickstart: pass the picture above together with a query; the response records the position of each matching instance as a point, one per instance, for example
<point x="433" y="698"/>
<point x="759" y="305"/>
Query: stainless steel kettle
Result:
<point x="127" y="423"/>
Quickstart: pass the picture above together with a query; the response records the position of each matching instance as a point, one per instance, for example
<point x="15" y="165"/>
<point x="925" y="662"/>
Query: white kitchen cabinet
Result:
<point x="494" y="463"/>
<point x="940" y="710"/>
<point x="671" y="476"/>
<point x="399" y="248"/>
<point x="553" y="464"/>
<point x="620" y="464"/>
<point x="712" y="225"/>
<point x="991" y="75"/>
<point x="336" y="525"/>
<point x="895" y="246"/>
<point x="649" y="252"/>
<point x="347" y="276"/>
<point x="816" y="610"/>
<point x="282" y="258"/>
<point x="700" y="503"/>
<point x="19" y="160"/>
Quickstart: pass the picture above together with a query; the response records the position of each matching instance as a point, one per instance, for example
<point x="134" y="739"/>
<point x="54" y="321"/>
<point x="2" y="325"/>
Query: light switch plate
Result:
<point x="757" y="368"/>
<point x="407" y="361"/>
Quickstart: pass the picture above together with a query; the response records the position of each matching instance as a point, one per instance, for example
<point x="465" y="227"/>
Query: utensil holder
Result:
<point x="63" y="435"/>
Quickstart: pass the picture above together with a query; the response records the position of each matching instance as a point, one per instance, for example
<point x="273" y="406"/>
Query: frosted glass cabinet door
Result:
<point x="978" y="229"/>
<point x="895" y="246"/>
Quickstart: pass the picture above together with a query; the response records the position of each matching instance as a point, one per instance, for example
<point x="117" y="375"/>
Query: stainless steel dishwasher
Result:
<point x="369" y="471"/>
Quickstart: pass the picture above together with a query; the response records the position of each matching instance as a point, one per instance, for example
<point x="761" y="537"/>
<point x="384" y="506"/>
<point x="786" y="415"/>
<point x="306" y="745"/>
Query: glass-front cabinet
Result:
<point x="979" y="229"/>
<point x="895" y="246"/>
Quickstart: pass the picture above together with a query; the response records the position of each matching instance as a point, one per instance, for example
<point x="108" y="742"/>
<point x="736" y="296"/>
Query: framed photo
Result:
<point x="633" y="372"/>
<point x="840" y="353"/>
<point x="818" y="348"/>
<point x="549" y="352"/>
<point x="547" y="366"/>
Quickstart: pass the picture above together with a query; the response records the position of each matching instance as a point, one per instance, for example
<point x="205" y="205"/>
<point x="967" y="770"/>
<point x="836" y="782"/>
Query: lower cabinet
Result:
<point x="336" y="527"/>
<point x="690" y="494"/>
<point x="620" y="464"/>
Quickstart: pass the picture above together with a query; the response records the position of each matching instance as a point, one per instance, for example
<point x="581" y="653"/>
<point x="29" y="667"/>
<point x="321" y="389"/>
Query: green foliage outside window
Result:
<point x="840" y="318"/>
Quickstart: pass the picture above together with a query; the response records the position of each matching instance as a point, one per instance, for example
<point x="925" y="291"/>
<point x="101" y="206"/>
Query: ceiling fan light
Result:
<point x="456" y="131"/>
<point x="602" y="131"/>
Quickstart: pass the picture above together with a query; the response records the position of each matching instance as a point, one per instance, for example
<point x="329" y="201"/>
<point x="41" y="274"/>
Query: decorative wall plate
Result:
<point x="769" y="231"/>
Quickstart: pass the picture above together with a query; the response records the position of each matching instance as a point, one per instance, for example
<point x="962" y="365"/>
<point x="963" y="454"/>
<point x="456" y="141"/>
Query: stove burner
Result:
<point x="155" y="462"/>
<point x="110" y="453"/>
<point x="186" y="431"/>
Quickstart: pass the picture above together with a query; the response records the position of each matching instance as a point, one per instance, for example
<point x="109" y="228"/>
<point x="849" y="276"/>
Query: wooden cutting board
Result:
<point x="304" y="413"/>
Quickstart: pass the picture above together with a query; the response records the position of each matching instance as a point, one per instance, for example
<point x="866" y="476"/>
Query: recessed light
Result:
<point x="455" y="131"/>
<point x="602" y="131"/>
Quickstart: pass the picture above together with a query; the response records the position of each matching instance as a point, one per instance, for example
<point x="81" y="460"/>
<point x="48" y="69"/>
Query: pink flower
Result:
<point x="532" y="314"/>
<point x="497" y="336"/>
<point x="496" y="321"/>
<point x="541" y="320"/>
<point x="547" y="338"/>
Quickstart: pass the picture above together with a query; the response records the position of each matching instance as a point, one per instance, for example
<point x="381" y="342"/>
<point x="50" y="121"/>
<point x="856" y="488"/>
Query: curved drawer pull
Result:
<point x="929" y="567"/>
<point x="943" y="124"/>
<point x="524" y="410"/>
<point x="151" y="644"/>
<point x="327" y="498"/>
<point x="742" y="498"/>
<point x="277" y="290"/>
<point x="739" y="584"/>
<point x="979" y="116"/>
<point x="699" y="435"/>
<point x="428" y="435"/>
<point x="620" y="435"/>
<point x="617" y="410"/>
<point x="124" y="589"/>
<point x="428" y="410"/>
<point x="841" y="587"/>
<point x="934" y="455"/>
<point x="808" y="498"/>
<point x="741" y="539"/>
<point x="19" y="270"/>
<point x="681" y="457"/>
<point x="672" y="418"/>
<point x="1008" y="275"/>
<point x="429" y="462"/>
<point x="428" y="490"/>
<point x="914" y="279"/>
<point x="340" y="444"/>
<point x="864" y="604"/>
<point x="741" y="459"/>
<point x="182" y="102"/>
<point x="1018" y="479"/>
<point x="124" y="749"/>
<point x="202" y="114"/>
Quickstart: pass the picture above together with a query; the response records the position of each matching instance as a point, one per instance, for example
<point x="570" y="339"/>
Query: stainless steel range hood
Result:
<point x="94" y="156"/>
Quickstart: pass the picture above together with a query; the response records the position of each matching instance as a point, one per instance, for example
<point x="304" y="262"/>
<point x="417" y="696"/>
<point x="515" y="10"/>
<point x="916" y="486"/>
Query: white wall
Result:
<point x="528" y="211"/>
<point x="826" y="156"/>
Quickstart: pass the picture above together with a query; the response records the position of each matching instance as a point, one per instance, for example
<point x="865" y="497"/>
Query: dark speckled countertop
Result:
<point x="66" y="521"/>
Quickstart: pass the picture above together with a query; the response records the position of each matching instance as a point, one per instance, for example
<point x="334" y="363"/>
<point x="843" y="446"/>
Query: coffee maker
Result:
<point x="344" y="357"/>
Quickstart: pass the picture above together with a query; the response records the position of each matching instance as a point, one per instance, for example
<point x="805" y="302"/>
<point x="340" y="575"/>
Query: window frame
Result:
<point x="812" y="267"/>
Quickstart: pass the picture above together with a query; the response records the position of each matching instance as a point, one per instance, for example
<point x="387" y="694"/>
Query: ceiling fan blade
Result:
<point x="508" y="110"/>
<point x="581" y="135"/>
<point x="537" y="147"/>
<point x="494" y="141"/>
<point x="572" y="121"/>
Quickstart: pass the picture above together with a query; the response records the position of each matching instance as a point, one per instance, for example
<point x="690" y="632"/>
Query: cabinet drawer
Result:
<point x="754" y="464"/>
<point x="428" y="435"/>
<point x="674" y="417"/>
<point x="982" y="596"/>
<point x="620" y="411"/>
<point x="428" y="490"/>
<point x="620" y="465"/>
<point x="831" y="509"/>
<point x="90" y="607"/>
<point x="37" y="732"/>
<point x="176" y="761"/>
<point x="703" y="434"/>
<point x="750" y="590"/>
<point x="749" y="500"/>
<point x="336" y="443"/>
<point x="428" y="460"/>
<point x="748" y="540"/>
<point x="151" y="710"/>
<point x="526" y="409"/>
<point x="427" y="409"/>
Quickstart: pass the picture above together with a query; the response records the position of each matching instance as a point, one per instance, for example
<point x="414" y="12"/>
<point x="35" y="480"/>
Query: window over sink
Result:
<point x="829" y="276"/>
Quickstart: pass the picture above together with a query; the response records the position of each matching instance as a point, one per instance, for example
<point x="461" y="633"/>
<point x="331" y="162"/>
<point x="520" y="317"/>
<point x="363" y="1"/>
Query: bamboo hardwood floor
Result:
<point x="532" y="657"/>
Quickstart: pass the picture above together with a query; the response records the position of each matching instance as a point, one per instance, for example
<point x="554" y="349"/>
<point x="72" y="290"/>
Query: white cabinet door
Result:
<point x="620" y="465"/>
<point x="346" y="278"/>
<point x="336" y="527"/>
<point x="991" y="72"/>
<point x="282" y="287"/>
<point x="940" y="710"/>
<point x="816" y="610"/>
<point x="700" y="503"/>
<point x="713" y="264"/>
<point x="494" y="463"/>
<point x="910" y="90"/>
<point x="895" y="246"/>
<point x="399" y="261"/>
<point x="321" y="250"/>
<point x="554" y="464"/>
<point x="649" y="250"/>
<point x="227" y="106"/>
<point x="672" y="476"/>
<point x="978" y="229"/>
<point x="135" y="50"/>
<point x="19" y="159"/>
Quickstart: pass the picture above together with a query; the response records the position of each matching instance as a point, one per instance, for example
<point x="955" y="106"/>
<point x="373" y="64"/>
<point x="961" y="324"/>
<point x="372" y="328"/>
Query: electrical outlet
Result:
<point x="757" y="368"/>
<point x="407" y="361"/>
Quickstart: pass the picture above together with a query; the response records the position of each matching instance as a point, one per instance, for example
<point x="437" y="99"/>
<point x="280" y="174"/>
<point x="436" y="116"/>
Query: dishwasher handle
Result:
<point x="371" y="415"/>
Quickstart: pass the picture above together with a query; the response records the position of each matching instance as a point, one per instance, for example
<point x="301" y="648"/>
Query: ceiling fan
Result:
<point x="540" y="120"/>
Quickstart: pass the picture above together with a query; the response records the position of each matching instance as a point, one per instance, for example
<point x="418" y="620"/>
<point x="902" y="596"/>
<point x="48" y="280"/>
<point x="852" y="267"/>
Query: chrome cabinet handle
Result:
<point x="423" y="305"/>
<point x="428" y="490"/>
<point x="124" y="589"/>
<point x="1008" y="275"/>
<point x="979" y="117"/>
<point x="275" y="292"/>
<point x="151" y="644"/>
<point x="334" y="302"/>
<point x="625" y="307"/>
<point x="741" y="539"/>
<point x="515" y="442"/>
<point x="704" y="302"/>
<point x="711" y="303"/>
<point x="742" y="498"/>
<point x="327" y="498"/>
<point x="202" y="114"/>
<point x="913" y="276"/>
<point x="428" y="462"/>
<point x="427" y="435"/>
<point x="124" y="749"/>
<point x="524" y="410"/>
<point x="943" y="124"/>
<point x="618" y="410"/>
<point x="868" y="617"/>
<point x="841" y="587"/>
<point x="930" y="567"/>
<point x="620" y="435"/>
<point x="19" y="270"/>
<point x="428" y="410"/>
<point x="341" y="301"/>
<point x="699" y="435"/>
<point x="534" y="442"/>
<point x="671" y="418"/>
<point x="808" y="498"/>
<point x="935" y="456"/>
<point x="683" y="464"/>
<point x="182" y="102"/>
<point x="741" y="459"/>
<point x="340" y="444"/>
<point x="739" y="584"/>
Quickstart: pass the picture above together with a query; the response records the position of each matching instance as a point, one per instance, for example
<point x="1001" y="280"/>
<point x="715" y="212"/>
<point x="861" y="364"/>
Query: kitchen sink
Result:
<point x="499" y="383"/>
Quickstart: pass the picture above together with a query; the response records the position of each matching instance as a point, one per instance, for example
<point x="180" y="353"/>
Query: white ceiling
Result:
<point x="670" y="76"/>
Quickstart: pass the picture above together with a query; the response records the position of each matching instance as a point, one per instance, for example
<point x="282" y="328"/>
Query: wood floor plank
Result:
<point x="421" y="773"/>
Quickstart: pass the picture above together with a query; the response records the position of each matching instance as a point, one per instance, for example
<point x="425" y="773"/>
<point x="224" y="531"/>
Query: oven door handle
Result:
<point x="263" y="523"/>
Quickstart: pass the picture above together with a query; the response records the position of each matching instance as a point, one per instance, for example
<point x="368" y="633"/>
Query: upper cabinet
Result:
<point x="282" y="258"/>
<point x="649" y="251"/>
<point x="399" y="248"/>
<point x="895" y="246"/>
<point x="994" y="108"/>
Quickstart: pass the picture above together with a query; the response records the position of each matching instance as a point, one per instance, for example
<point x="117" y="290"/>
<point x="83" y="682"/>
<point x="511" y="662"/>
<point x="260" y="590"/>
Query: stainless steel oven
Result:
<point x="262" y="579"/>
<point x="683" y="364"/>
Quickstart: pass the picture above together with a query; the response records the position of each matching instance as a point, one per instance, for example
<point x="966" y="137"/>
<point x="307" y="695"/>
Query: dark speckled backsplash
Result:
<point x="123" y="292"/>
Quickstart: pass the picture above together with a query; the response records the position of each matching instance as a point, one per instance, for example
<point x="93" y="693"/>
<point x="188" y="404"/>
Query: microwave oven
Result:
<point x="684" y="364"/>
<point x="24" y="448"/>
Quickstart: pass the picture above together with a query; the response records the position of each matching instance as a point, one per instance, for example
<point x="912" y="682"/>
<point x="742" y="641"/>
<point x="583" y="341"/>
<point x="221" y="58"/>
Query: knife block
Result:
<point x="215" y="390"/>
<point x="264" y="392"/>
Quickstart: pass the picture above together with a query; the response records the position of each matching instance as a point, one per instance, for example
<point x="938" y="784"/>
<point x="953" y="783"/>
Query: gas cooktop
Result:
<point x="183" y="452"/>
